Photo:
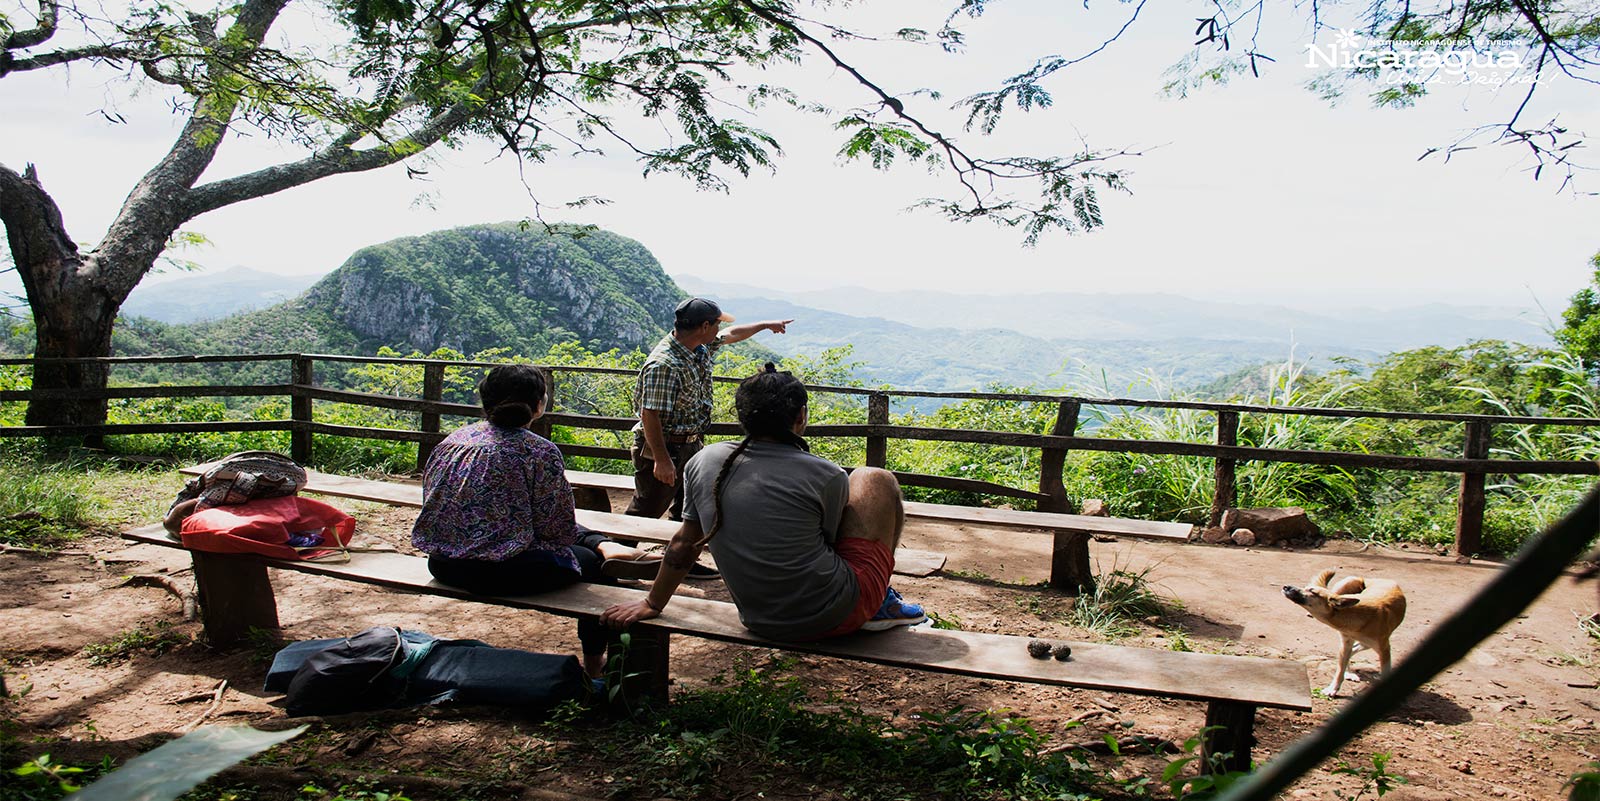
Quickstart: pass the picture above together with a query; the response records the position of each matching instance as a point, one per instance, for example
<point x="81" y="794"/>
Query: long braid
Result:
<point x="768" y="404"/>
<point x="716" y="490"/>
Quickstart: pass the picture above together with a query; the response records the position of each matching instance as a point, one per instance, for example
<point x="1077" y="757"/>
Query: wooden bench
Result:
<point x="908" y="561"/>
<point x="1069" y="558"/>
<point x="236" y="595"/>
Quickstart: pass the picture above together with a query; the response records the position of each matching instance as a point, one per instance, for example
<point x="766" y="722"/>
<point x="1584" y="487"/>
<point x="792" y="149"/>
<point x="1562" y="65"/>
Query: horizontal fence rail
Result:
<point x="1050" y="495"/>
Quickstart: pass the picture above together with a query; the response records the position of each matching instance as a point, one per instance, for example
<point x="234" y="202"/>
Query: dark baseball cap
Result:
<point x="699" y="311"/>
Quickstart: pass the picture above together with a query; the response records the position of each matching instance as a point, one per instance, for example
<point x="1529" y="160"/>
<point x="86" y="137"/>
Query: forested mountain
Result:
<point x="470" y="289"/>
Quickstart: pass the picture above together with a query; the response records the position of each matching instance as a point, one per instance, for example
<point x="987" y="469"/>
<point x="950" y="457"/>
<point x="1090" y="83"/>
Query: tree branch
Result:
<point x="152" y="210"/>
<point x="336" y="159"/>
<point x="49" y="11"/>
<point x="10" y="64"/>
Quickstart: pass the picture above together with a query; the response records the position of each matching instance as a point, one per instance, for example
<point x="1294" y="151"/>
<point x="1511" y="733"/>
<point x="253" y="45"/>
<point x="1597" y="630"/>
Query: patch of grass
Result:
<point x="764" y="721"/>
<point x="360" y="790"/>
<point x="950" y="622"/>
<point x="1178" y="640"/>
<point x="45" y="503"/>
<point x="1120" y="598"/>
<point x="155" y="640"/>
<point x="1590" y="626"/>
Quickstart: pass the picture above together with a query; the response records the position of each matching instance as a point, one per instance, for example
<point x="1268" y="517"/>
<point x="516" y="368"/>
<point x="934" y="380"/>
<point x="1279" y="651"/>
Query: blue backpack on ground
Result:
<point x="386" y="667"/>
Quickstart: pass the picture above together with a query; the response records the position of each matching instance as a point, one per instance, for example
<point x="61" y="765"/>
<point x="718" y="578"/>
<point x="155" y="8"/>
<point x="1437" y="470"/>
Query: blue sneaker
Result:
<point x="896" y="611"/>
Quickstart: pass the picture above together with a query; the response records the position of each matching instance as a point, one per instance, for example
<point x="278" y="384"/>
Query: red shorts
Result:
<point x="873" y="563"/>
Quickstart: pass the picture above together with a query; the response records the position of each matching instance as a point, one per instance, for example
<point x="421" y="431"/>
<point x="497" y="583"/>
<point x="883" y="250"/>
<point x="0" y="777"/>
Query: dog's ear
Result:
<point x="1349" y="585"/>
<point x="1322" y="579"/>
<point x="1343" y="601"/>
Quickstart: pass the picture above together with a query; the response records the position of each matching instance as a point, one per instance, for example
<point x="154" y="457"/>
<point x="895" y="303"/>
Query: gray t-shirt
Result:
<point x="783" y="507"/>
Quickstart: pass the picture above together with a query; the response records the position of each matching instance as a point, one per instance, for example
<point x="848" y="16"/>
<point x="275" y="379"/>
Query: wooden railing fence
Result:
<point x="877" y="432"/>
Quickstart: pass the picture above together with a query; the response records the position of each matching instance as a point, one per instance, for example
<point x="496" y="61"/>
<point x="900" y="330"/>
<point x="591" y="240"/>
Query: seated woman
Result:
<point x="497" y="515"/>
<point x="806" y="551"/>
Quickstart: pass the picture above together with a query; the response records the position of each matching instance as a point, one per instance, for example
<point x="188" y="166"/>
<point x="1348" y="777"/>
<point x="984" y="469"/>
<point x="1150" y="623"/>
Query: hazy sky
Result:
<point x="1257" y="190"/>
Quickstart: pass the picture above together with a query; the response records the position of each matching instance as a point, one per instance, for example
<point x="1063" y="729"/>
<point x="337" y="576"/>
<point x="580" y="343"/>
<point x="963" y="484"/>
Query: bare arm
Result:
<point x="740" y="333"/>
<point x="682" y="552"/>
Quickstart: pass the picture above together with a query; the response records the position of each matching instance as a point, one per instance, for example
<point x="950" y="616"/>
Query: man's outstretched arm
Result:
<point x="739" y="333"/>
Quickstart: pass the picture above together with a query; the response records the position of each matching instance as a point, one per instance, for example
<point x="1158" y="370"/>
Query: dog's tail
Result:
<point x="1322" y="579"/>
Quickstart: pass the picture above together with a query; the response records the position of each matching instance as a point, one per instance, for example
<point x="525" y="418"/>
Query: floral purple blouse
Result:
<point x="491" y="493"/>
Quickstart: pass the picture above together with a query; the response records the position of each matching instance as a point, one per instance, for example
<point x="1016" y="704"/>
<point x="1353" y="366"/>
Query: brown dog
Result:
<point x="1364" y="613"/>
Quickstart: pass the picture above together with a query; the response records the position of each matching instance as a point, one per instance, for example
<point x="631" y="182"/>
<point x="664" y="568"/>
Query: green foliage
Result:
<point x="1119" y="599"/>
<point x="1201" y="786"/>
<point x="42" y="505"/>
<point x="153" y="639"/>
<point x="1009" y="466"/>
<point x="1579" y="333"/>
<point x="1376" y="779"/>
<point x="1585" y="784"/>
<point x="766" y="716"/>
<point x="44" y="779"/>
<point x="359" y="790"/>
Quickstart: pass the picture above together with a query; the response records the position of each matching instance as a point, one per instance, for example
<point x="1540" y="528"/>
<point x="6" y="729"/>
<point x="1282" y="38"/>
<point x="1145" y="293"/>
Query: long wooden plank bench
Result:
<point x="908" y="561"/>
<point x="1069" y="553"/>
<point x="236" y="595"/>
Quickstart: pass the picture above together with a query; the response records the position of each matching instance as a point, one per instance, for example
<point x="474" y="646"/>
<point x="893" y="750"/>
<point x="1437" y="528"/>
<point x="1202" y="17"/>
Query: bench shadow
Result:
<point x="1427" y="706"/>
<point x="1201" y="626"/>
<point x="989" y="581"/>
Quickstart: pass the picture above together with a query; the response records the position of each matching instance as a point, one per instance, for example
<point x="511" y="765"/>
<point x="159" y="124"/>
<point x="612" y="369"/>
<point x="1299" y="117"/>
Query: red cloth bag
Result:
<point x="263" y="526"/>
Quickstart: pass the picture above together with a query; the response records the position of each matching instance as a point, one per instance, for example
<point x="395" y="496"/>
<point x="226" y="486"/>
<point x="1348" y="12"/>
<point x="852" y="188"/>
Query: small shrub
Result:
<point x="1120" y="597"/>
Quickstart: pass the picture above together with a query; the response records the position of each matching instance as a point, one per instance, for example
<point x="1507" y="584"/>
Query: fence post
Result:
<point x="301" y="376"/>
<point x="1070" y="569"/>
<point x="1470" y="503"/>
<point x="1226" y="493"/>
<point x="877" y="415"/>
<point x="542" y="426"/>
<point x="432" y="390"/>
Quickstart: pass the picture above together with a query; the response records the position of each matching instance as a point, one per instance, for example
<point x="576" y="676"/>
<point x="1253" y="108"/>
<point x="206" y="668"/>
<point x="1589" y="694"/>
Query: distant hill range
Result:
<point x="213" y="296"/>
<point x="1094" y="343"/>
<point x="489" y="286"/>
<point x="1157" y="317"/>
<point x="471" y="289"/>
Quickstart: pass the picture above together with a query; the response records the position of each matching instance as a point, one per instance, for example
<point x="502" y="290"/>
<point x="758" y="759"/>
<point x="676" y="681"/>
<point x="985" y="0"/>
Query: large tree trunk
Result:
<point x="79" y="327"/>
<point x="73" y="311"/>
<point x="74" y="296"/>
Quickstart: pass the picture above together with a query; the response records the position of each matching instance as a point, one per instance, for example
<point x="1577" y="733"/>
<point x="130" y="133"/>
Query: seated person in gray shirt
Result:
<point x="806" y="550"/>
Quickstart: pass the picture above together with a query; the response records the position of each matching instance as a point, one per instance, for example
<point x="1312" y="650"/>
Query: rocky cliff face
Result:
<point x="489" y="286"/>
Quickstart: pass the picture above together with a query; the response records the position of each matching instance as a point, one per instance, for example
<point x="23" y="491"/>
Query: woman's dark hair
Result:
<point x="768" y="403"/>
<point x="512" y="394"/>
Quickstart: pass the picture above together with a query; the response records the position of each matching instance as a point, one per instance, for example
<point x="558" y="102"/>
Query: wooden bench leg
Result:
<point x="1230" y="730"/>
<point x="235" y="596"/>
<point x="594" y="499"/>
<point x="1070" y="571"/>
<point x="639" y="666"/>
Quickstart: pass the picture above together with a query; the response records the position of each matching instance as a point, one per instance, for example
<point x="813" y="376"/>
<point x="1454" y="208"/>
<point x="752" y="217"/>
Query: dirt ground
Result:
<point x="1513" y="720"/>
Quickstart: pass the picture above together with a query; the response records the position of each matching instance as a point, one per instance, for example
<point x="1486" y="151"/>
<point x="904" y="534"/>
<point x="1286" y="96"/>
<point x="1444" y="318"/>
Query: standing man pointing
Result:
<point x="673" y="400"/>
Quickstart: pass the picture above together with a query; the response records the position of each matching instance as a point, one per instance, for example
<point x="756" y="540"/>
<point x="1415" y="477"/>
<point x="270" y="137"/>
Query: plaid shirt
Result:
<point x="676" y="382"/>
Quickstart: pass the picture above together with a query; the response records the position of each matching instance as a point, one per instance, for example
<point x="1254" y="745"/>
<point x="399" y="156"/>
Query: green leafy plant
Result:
<point x="1376" y="779"/>
<point x="41" y="778"/>
<point x="360" y="790"/>
<point x="154" y="639"/>
<point x="1205" y="785"/>
<point x="1119" y="598"/>
<point x="1585" y="784"/>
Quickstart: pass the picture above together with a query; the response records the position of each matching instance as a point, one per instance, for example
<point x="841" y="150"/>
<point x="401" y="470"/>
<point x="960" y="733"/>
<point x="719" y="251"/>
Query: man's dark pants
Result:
<point x="651" y="497"/>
